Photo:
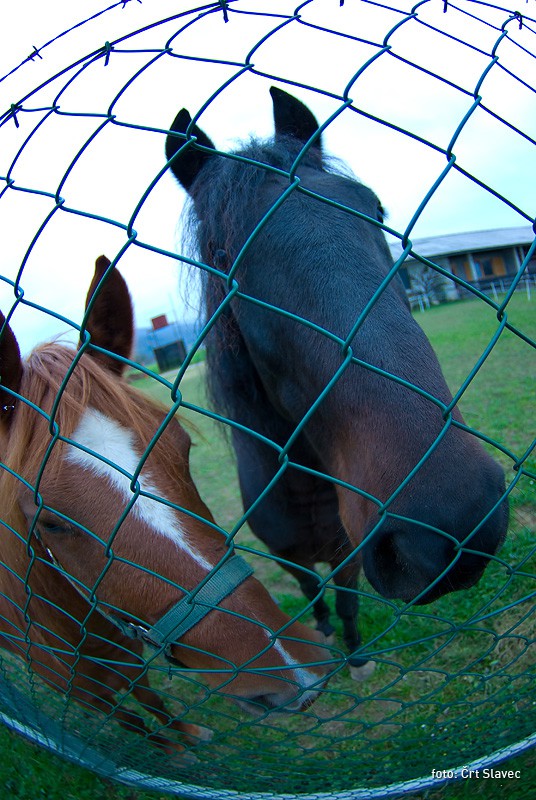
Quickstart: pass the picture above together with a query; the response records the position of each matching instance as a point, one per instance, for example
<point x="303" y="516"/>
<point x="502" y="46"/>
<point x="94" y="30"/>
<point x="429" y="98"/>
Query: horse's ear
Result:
<point x="188" y="164"/>
<point x="10" y="370"/>
<point x="292" y="117"/>
<point x="110" y="322"/>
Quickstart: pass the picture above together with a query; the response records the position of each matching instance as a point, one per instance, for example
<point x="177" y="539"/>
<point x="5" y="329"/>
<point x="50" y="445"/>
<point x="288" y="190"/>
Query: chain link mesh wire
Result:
<point x="454" y="682"/>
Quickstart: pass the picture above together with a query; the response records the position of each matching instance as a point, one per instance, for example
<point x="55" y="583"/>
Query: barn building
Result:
<point x="488" y="260"/>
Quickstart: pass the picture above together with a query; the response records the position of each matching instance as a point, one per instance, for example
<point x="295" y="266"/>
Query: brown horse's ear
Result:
<point x="10" y="370"/>
<point x="188" y="164"/>
<point x="110" y="320"/>
<point x="292" y="117"/>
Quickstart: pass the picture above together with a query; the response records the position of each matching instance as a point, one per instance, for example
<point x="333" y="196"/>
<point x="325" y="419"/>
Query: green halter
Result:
<point x="187" y="612"/>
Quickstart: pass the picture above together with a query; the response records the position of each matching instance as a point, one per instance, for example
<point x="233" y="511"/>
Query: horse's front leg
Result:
<point x="286" y="518"/>
<point x="309" y="581"/>
<point x="347" y="606"/>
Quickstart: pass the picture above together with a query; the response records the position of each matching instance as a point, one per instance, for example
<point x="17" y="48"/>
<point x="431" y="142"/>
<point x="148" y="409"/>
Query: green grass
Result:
<point x="28" y="772"/>
<point x="500" y="399"/>
<point x="433" y="694"/>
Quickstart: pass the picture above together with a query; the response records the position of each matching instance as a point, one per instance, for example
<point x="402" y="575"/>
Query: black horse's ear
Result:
<point x="110" y="322"/>
<point x="292" y="117"/>
<point x="10" y="370"/>
<point x="186" y="166"/>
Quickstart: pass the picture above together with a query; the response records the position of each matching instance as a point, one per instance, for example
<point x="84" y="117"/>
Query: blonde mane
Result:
<point x="32" y="432"/>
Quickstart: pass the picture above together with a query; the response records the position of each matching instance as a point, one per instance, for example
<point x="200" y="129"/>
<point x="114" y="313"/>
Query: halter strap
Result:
<point x="187" y="612"/>
<point x="191" y="610"/>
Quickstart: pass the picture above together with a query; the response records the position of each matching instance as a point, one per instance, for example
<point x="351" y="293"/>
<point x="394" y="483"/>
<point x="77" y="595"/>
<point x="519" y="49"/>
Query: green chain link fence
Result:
<point x="454" y="682"/>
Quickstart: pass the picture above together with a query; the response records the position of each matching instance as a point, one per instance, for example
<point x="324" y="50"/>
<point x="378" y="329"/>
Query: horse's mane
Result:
<point x="222" y="213"/>
<point x="31" y="432"/>
<point x="219" y="217"/>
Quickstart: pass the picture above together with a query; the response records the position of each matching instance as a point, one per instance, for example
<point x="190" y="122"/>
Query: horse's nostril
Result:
<point x="400" y="564"/>
<point x="277" y="702"/>
<point x="414" y="563"/>
<point x="261" y="704"/>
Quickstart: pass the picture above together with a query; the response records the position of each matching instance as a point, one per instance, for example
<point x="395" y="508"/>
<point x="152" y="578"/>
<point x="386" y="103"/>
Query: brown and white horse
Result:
<point x="102" y="537"/>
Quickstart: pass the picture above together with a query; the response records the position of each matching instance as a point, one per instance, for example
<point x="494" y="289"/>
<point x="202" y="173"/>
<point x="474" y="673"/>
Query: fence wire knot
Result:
<point x="15" y="107"/>
<point x="107" y="49"/>
<point x="225" y="8"/>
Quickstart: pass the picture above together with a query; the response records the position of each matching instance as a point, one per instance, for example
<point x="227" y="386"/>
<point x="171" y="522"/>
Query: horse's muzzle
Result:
<point x="258" y="706"/>
<point x="410" y="562"/>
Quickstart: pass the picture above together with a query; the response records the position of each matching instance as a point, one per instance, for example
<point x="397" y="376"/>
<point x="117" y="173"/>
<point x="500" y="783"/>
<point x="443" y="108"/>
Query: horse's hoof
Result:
<point x="184" y="759"/>
<point x="196" y="733"/>
<point x="362" y="673"/>
<point x="327" y="639"/>
<point x="175" y="749"/>
<point x="325" y="628"/>
<point x="203" y="734"/>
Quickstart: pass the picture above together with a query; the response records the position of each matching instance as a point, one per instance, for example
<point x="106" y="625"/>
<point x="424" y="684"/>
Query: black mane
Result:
<point x="222" y="213"/>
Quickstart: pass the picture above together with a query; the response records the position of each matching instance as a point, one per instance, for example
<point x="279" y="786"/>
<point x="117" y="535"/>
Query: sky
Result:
<point x="144" y="87"/>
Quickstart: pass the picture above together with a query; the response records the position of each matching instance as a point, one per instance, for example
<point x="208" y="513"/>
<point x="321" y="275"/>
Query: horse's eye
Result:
<point x="52" y="527"/>
<point x="380" y="213"/>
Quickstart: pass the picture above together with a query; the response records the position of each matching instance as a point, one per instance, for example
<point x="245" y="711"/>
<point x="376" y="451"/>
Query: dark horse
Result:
<point x="286" y="328"/>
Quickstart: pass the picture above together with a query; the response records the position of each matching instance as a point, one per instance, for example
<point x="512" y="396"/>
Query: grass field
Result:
<point x="453" y="680"/>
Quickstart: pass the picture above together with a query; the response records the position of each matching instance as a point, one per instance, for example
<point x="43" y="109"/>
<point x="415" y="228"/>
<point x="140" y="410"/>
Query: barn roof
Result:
<point x="456" y="243"/>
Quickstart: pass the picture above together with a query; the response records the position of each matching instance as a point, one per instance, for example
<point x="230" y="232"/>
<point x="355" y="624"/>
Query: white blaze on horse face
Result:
<point x="306" y="679"/>
<point x="109" y="440"/>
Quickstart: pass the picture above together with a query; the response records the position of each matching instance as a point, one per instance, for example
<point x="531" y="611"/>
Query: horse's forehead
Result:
<point x="103" y="447"/>
<point x="104" y="436"/>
